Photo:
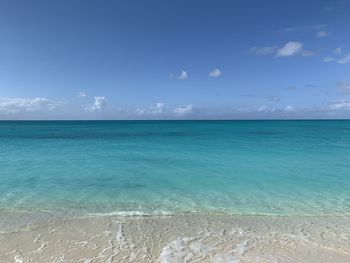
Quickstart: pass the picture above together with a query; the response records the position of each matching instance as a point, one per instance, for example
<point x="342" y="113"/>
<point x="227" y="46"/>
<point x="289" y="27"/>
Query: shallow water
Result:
<point x="195" y="238"/>
<point x="155" y="167"/>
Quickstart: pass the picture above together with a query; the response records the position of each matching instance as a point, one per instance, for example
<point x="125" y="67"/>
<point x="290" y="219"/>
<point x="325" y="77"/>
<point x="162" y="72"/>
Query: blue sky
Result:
<point x="174" y="59"/>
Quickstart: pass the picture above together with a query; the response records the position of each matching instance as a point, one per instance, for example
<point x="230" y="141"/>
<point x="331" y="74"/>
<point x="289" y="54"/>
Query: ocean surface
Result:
<point x="170" y="167"/>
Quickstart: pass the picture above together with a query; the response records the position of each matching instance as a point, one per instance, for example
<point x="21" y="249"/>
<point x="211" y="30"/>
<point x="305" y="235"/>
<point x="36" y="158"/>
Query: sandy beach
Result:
<point x="176" y="238"/>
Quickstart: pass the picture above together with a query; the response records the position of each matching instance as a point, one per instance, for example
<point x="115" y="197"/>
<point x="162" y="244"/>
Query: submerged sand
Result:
<point x="177" y="238"/>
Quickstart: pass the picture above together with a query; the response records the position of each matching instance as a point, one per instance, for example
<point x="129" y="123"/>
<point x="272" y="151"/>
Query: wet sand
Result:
<point x="174" y="239"/>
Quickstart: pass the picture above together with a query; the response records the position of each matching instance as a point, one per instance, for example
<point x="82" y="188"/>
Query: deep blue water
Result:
<point x="246" y="167"/>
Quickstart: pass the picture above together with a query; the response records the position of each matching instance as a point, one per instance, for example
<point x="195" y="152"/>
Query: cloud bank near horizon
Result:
<point x="43" y="108"/>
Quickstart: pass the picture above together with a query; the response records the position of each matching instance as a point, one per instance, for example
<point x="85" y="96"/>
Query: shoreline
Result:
<point x="197" y="237"/>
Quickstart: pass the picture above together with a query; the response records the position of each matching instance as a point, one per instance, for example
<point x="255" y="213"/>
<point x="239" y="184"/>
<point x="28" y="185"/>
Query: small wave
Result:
<point x="132" y="213"/>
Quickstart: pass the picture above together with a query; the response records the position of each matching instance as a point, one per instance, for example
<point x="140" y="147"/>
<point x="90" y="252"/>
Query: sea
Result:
<point x="246" y="167"/>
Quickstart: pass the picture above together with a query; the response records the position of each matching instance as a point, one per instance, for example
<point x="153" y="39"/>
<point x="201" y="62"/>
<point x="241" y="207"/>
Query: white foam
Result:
<point x="131" y="213"/>
<point x="121" y="213"/>
<point x="18" y="259"/>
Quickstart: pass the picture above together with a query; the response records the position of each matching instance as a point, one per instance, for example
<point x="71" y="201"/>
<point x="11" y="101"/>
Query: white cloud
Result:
<point x="183" y="75"/>
<point x="286" y="109"/>
<point x="159" y="108"/>
<point x="183" y="109"/>
<point x="100" y="104"/>
<point x="20" y="105"/>
<point x="290" y="49"/>
<point x="340" y="60"/>
<point x="340" y="105"/>
<point x="339" y="56"/>
<point x="345" y="59"/>
<point x="262" y="108"/>
<point x="215" y="73"/>
<point x="81" y="94"/>
<point x="322" y="33"/>
<point x="289" y="108"/>
<point x="140" y="111"/>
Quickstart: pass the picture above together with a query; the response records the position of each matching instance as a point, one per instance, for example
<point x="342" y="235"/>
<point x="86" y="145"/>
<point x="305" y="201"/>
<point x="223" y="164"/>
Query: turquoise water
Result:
<point x="153" y="167"/>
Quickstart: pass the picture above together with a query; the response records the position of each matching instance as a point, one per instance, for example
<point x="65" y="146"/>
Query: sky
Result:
<point x="162" y="59"/>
